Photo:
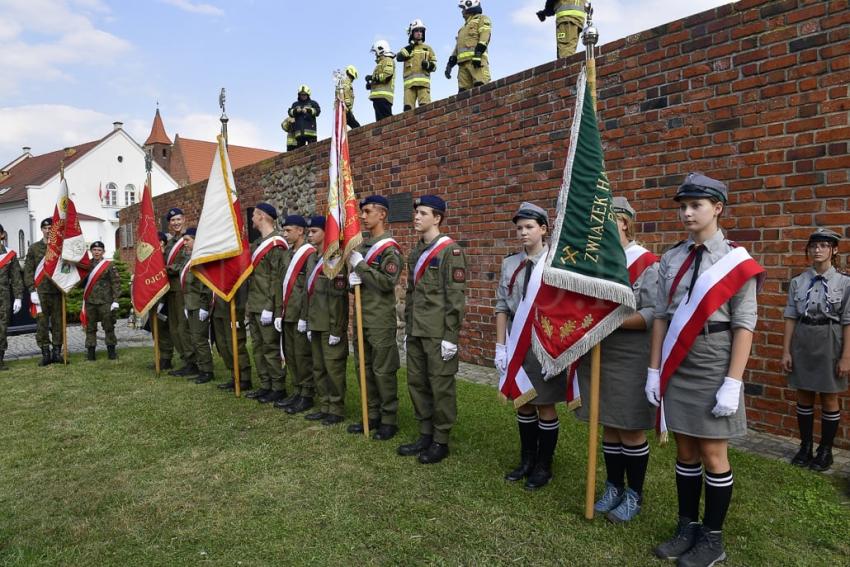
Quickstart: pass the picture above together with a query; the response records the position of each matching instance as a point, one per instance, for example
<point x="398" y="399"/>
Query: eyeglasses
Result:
<point x="819" y="245"/>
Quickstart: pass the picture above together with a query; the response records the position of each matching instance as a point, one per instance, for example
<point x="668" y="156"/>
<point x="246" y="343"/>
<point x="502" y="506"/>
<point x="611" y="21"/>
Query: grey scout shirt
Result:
<point x="820" y="299"/>
<point x="512" y="280"/>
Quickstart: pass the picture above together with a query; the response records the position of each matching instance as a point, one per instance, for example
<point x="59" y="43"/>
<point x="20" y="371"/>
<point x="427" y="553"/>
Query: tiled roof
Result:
<point x="36" y="170"/>
<point x="158" y="135"/>
<point x="197" y="158"/>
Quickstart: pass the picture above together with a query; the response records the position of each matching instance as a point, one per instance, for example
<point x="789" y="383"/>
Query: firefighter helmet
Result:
<point x="351" y="71"/>
<point x="416" y="24"/>
<point x="381" y="48"/>
<point x="304" y="89"/>
<point x="468" y="4"/>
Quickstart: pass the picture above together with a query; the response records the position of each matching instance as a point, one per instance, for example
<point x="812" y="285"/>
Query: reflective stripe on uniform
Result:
<point x="464" y="54"/>
<point x="570" y="10"/>
<point x="381" y="94"/>
<point x="417" y="79"/>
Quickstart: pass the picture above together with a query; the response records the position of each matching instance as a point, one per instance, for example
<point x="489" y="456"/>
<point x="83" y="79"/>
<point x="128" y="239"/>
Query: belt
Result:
<point x="712" y="328"/>
<point x="814" y="322"/>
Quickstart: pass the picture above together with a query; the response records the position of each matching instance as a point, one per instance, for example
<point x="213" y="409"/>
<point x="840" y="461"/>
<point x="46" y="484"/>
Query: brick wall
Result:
<point x="753" y="93"/>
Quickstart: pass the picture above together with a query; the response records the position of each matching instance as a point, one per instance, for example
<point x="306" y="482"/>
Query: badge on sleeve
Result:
<point x="339" y="283"/>
<point x="392" y="268"/>
<point x="456" y="252"/>
<point x="459" y="275"/>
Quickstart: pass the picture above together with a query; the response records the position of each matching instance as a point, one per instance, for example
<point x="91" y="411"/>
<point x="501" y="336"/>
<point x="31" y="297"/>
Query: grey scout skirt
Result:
<point x="815" y="350"/>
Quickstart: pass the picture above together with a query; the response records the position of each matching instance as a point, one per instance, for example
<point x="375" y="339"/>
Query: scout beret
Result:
<point x="97" y="244"/>
<point x="701" y="186"/>
<point x="621" y="205"/>
<point x="533" y="212"/>
<point x="47" y="222"/>
<point x="825" y="235"/>
<point x="316" y="222"/>
<point x="268" y="209"/>
<point x="191" y="232"/>
<point x="173" y="213"/>
<point x="162" y="236"/>
<point x="295" y="220"/>
<point x="375" y="200"/>
<point x="431" y="201"/>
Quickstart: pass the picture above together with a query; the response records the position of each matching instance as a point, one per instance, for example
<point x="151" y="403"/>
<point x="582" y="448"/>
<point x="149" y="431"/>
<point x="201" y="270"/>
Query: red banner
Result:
<point x="150" y="281"/>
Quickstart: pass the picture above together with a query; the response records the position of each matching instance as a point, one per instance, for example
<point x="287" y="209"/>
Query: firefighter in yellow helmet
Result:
<point x="470" y="52"/>
<point x="569" y="21"/>
<point x="288" y="126"/>
<point x="348" y="95"/>
<point x="304" y="111"/>
<point x="381" y="83"/>
<point x="419" y="62"/>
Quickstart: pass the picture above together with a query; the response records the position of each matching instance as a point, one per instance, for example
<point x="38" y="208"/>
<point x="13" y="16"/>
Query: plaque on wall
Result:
<point x="401" y="207"/>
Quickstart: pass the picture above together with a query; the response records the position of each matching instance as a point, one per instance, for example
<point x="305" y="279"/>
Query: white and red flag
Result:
<point x="67" y="258"/>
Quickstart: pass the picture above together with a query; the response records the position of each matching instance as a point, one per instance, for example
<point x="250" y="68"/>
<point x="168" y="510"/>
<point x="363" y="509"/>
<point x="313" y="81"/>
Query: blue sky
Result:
<point x="72" y="67"/>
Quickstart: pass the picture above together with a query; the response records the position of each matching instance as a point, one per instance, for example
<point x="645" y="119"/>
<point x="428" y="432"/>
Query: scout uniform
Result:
<point x="197" y="300"/>
<point x="690" y="403"/>
<point x="263" y="301"/>
<point x="49" y="317"/>
<point x="11" y="289"/>
<point x="325" y="309"/>
<point x="224" y="342"/>
<point x="101" y="292"/>
<point x="470" y="53"/>
<point x="569" y="21"/>
<point x="178" y="328"/>
<point x="434" y="310"/>
<point x="420" y="61"/>
<point x="820" y="305"/>
<point x="379" y="274"/>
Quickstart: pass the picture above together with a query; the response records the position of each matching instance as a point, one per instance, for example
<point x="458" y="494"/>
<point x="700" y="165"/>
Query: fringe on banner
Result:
<point x="595" y="287"/>
<point x="525" y="398"/>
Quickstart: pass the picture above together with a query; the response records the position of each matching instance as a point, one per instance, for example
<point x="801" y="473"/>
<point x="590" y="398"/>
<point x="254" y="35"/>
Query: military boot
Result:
<point x="186" y="371"/>
<point x="90" y="353"/>
<point x="45" y="357"/>
<point x="57" y="355"/>
<point x="204" y="377"/>
<point x="416" y="447"/>
<point x="3" y="364"/>
<point x="110" y="352"/>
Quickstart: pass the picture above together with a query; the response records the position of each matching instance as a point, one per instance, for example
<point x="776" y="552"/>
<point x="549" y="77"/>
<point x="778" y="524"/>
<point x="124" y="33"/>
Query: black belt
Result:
<point x="814" y="322"/>
<point x="712" y="328"/>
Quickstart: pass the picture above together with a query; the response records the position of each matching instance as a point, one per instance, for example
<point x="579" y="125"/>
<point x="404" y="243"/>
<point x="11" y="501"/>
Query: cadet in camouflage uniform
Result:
<point x="470" y="49"/>
<point x="197" y="300"/>
<point x="262" y="304"/>
<point x="326" y="310"/>
<point x="11" y="287"/>
<point x="178" y="328"/>
<point x="101" y="304"/>
<point x="296" y="347"/>
<point x="224" y="343"/>
<point x="166" y="347"/>
<point x="377" y="279"/>
<point x="434" y="310"/>
<point x="48" y="297"/>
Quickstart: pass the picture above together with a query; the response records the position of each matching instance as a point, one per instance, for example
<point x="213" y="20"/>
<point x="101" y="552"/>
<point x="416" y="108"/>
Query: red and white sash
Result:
<point x="515" y="384"/>
<point x="515" y="275"/>
<point x="94" y="277"/>
<point x="266" y="246"/>
<point x="429" y="254"/>
<point x="39" y="273"/>
<point x="713" y="288"/>
<point x="314" y="276"/>
<point x="638" y="259"/>
<point x="183" y="273"/>
<point x="175" y="250"/>
<point x="378" y="248"/>
<point x="298" y="260"/>
<point x="6" y="258"/>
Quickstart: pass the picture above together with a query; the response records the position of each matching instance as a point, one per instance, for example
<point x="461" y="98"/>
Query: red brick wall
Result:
<point x="753" y="93"/>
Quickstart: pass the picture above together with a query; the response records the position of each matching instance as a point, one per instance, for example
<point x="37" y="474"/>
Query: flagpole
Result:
<point x="591" y="37"/>
<point x="155" y="328"/>
<point x="361" y="356"/>
<point x="64" y="332"/>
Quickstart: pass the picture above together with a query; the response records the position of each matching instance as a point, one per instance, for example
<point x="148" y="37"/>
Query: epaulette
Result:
<point x="511" y="254"/>
<point x="732" y="243"/>
<point x="676" y="245"/>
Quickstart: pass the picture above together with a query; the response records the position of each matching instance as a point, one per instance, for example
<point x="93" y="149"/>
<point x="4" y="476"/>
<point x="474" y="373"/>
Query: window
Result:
<point x="129" y="194"/>
<point x="22" y="244"/>
<point x="126" y="234"/>
<point x="110" y="199"/>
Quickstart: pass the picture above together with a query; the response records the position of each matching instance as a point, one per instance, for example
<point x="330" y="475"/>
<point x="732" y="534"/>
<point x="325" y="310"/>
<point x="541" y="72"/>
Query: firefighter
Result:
<point x="569" y="21"/>
<point x="288" y="126"/>
<point x="470" y="54"/>
<point x="304" y="111"/>
<point x="381" y="83"/>
<point x="348" y="95"/>
<point x="419" y="62"/>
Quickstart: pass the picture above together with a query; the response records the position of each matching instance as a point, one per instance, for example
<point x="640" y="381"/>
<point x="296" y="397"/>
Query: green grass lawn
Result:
<point x="103" y="464"/>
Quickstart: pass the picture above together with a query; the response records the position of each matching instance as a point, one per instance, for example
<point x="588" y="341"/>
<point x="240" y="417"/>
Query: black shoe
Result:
<point x="526" y="465"/>
<point x="804" y="455"/>
<point x="303" y="404"/>
<point x="540" y="476"/>
<point x="687" y="532"/>
<point x="316" y="416"/>
<point x="823" y="459"/>
<point x="435" y="453"/>
<point x="186" y="371"/>
<point x="57" y="355"/>
<point x="416" y="447"/>
<point x="286" y="402"/>
<point x="271" y="397"/>
<point x="164" y="364"/>
<point x="358" y="427"/>
<point x="204" y="377"/>
<point x="257" y="394"/>
<point x="45" y="357"/>
<point x="385" y="432"/>
<point x="332" y="419"/>
<point x="110" y="352"/>
<point x="90" y="353"/>
<point x="227" y="386"/>
<point x="707" y="551"/>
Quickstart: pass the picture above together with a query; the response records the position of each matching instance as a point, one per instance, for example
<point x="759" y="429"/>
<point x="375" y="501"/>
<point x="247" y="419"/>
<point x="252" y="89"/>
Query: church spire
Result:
<point x="157" y="135"/>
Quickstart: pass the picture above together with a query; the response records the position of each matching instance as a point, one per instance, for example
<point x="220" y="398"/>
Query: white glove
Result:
<point x="310" y="336"/>
<point x="501" y="359"/>
<point x="354" y="259"/>
<point x="278" y="324"/>
<point x="653" y="386"/>
<point x="34" y="298"/>
<point x="448" y="350"/>
<point x="203" y="315"/>
<point x="354" y="279"/>
<point x="332" y="340"/>
<point x="302" y="326"/>
<point x="728" y="396"/>
<point x="16" y="306"/>
<point x="265" y="318"/>
<point x="114" y="306"/>
<point x="186" y="313"/>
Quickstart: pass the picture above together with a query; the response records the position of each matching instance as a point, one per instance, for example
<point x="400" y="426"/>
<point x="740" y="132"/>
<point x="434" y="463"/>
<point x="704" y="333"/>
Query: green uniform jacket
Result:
<point x="414" y="73"/>
<point x="34" y="256"/>
<point x="436" y="304"/>
<point x="297" y="297"/>
<point x="383" y="79"/>
<point x="264" y="285"/>
<point x="11" y="279"/>
<point x="197" y="295"/>
<point x="326" y="309"/>
<point x="107" y="289"/>
<point x="476" y="29"/>
<point x="377" y="292"/>
<point x="221" y="309"/>
<point x="174" y="270"/>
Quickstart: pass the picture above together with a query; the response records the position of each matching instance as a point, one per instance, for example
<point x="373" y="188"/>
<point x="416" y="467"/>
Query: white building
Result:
<point x="103" y="177"/>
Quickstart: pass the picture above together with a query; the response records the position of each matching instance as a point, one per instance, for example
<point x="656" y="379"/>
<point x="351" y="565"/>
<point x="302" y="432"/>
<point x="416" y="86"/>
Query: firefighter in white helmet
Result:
<point x="304" y="111"/>
<point x="569" y="21"/>
<point x="419" y="62"/>
<point x="470" y="52"/>
<point x="381" y="83"/>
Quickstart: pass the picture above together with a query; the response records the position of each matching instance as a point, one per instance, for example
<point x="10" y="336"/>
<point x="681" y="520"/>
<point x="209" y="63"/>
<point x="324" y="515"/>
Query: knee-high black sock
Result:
<point x="528" y="433"/>
<point x="829" y="421"/>
<point x="615" y="464"/>
<point x="636" y="458"/>
<point x="718" y="495"/>
<point x="548" y="440"/>
<point x="689" y="489"/>
<point x="805" y="421"/>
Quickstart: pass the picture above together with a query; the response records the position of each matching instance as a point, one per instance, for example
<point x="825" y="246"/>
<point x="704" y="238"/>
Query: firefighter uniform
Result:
<point x="419" y="61"/>
<point x="288" y="126"/>
<point x="381" y="85"/>
<point x="569" y="21"/>
<point x="304" y="111"/>
<point x="99" y="308"/>
<point x="470" y="52"/>
<point x="49" y="322"/>
<point x="348" y="96"/>
<point x="11" y="289"/>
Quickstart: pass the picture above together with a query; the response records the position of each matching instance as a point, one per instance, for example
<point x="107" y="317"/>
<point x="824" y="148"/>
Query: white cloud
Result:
<point x="195" y="7"/>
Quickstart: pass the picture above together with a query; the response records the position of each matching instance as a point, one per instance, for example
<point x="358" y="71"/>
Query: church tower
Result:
<point x="158" y="143"/>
